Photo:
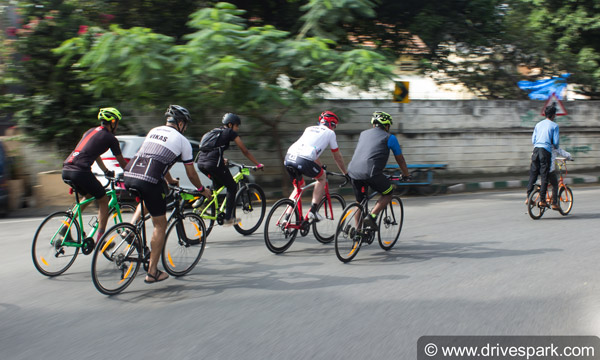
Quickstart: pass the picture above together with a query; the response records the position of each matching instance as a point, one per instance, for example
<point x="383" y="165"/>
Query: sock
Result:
<point x="313" y="208"/>
<point x="100" y="233"/>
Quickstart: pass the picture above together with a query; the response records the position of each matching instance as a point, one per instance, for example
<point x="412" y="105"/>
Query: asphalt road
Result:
<point x="467" y="264"/>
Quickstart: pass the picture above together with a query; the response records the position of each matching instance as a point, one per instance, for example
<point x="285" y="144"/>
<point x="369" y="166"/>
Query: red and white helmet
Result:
<point x="329" y="119"/>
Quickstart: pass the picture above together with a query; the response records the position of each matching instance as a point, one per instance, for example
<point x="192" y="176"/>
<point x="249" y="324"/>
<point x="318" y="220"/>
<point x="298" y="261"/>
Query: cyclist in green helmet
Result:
<point x="77" y="168"/>
<point x="370" y="158"/>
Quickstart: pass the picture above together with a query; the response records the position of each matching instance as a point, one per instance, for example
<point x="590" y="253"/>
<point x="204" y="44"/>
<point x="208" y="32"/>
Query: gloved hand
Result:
<point x="109" y="173"/>
<point x="260" y="167"/>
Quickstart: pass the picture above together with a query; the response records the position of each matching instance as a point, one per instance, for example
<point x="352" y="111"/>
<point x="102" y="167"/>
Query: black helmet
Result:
<point x="231" y="118"/>
<point x="177" y="114"/>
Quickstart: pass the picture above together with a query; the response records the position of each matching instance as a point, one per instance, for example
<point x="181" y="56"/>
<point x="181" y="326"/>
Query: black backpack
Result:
<point x="210" y="140"/>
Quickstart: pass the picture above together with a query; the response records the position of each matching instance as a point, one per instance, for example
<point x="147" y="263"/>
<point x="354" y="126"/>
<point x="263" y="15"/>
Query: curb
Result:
<point x="512" y="184"/>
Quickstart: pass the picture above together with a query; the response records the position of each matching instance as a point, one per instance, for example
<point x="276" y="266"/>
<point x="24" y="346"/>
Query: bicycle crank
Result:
<point x="88" y="246"/>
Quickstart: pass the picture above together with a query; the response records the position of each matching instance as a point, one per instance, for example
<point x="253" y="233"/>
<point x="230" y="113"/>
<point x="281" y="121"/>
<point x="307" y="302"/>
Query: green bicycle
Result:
<point x="60" y="236"/>
<point x="250" y="204"/>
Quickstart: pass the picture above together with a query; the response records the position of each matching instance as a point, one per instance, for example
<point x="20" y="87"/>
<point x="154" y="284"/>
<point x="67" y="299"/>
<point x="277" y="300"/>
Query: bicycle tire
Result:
<point x="127" y="211"/>
<point x="208" y="209"/>
<point x="324" y="230"/>
<point x="565" y="200"/>
<point x="250" y="208"/>
<point x="347" y="235"/>
<point x="534" y="211"/>
<point x="49" y="255"/>
<point x="113" y="272"/>
<point x="391" y="220"/>
<point x="278" y="238"/>
<point x="185" y="241"/>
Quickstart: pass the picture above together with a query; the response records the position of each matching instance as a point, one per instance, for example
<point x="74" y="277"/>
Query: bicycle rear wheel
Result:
<point x="250" y="208"/>
<point x="348" y="232"/>
<point x="278" y="236"/>
<point x="565" y="200"/>
<point x="390" y="223"/>
<point x="324" y="230"/>
<point x="114" y="267"/>
<point x="534" y="211"/>
<point x="54" y="249"/>
<point x="127" y="211"/>
<point x="184" y="244"/>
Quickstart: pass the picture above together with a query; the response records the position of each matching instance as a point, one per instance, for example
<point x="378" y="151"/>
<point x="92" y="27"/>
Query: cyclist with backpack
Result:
<point x="212" y="163"/>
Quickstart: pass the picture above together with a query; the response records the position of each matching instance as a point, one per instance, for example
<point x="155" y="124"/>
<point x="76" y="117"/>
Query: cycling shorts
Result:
<point x="304" y="166"/>
<point x="154" y="195"/>
<point x="84" y="183"/>
<point x="379" y="183"/>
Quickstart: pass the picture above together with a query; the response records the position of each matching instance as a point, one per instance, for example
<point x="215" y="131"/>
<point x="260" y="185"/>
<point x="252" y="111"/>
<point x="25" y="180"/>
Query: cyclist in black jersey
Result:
<point x="77" y="168"/>
<point x="214" y="165"/>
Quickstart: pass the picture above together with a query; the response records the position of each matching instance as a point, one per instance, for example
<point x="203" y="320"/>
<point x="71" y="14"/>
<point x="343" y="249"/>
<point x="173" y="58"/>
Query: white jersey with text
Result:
<point x="313" y="141"/>
<point x="162" y="147"/>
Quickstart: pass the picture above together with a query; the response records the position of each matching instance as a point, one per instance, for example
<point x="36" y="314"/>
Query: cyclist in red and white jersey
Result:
<point x="302" y="157"/>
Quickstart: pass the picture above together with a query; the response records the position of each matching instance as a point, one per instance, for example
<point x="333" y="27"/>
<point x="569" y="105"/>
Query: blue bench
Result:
<point x="424" y="178"/>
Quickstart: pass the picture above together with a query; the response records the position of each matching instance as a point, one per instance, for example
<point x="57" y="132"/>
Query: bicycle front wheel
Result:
<point x="55" y="248"/>
<point x="116" y="259"/>
<point x="390" y="223"/>
<point x="348" y="233"/>
<point x="278" y="235"/>
<point x="184" y="244"/>
<point x="565" y="200"/>
<point x="250" y="208"/>
<point x="534" y="211"/>
<point x="324" y="230"/>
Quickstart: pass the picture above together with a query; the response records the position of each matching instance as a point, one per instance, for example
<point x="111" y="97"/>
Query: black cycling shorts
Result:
<point x="85" y="183"/>
<point x="154" y="195"/>
<point x="379" y="183"/>
<point x="304" y="166"/>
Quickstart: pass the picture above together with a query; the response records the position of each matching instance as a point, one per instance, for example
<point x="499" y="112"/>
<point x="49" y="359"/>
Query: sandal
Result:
<point x="157" y="277"/>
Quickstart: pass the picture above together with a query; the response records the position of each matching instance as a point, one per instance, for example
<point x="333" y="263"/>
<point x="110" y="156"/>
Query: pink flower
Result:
<point x="107" y="17"/>
<point x="11" y="31"/>
<point x="82" y="29"/>
<point x="48" y="17"/>
<point x="26" y="58"/>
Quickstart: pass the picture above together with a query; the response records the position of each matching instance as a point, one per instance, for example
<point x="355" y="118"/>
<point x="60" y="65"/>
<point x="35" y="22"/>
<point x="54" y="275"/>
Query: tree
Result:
<point x="224" y="65"/>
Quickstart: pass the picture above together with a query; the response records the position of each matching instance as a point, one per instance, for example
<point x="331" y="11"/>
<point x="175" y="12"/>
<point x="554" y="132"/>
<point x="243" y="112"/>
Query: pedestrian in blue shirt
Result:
<point x="545" y="139"/>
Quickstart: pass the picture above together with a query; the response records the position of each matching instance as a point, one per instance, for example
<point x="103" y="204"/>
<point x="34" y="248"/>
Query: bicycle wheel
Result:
<point x="184" y="244"/>
<point x="54" y="249"/>
<point x="205" y="210"/>
<point x="535" y="212"/>
<point x="347" y="234"/>
<point x="278" y="236"/>
<point x="127" y="211"/>
<point x="113" y="268"/>
<point x="390" y="223"/>
<point x="250" y="207"/>
<point x="565" y="200"/>
<point x="324" y="230"/>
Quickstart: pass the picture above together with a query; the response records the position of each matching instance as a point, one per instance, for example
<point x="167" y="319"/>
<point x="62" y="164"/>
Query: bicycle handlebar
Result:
<point x="179" y="189"/>
<point x="242" y="166"/>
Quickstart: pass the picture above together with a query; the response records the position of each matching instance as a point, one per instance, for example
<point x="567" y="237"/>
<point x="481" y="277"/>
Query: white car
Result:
<point x="130" y="144"/>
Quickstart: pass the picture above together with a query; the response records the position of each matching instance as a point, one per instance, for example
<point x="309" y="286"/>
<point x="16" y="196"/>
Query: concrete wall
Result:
<point x="471" y="136"/>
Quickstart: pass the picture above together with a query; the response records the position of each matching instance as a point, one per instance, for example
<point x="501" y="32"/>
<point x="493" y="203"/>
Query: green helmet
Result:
<point x="109" y="115"/>
<point x="380" y="117"/>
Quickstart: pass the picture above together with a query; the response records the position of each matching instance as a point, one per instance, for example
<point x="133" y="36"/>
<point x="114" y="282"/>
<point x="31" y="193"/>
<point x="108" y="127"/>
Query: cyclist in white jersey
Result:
<point x="302" y="157"/>
<point x="149" y="169"/>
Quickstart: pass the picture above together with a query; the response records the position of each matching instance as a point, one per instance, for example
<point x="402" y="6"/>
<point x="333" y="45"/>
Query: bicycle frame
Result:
<point x="220" y="208"/>
<point x="78" y="214"/>
<point x="298" y="203"/>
